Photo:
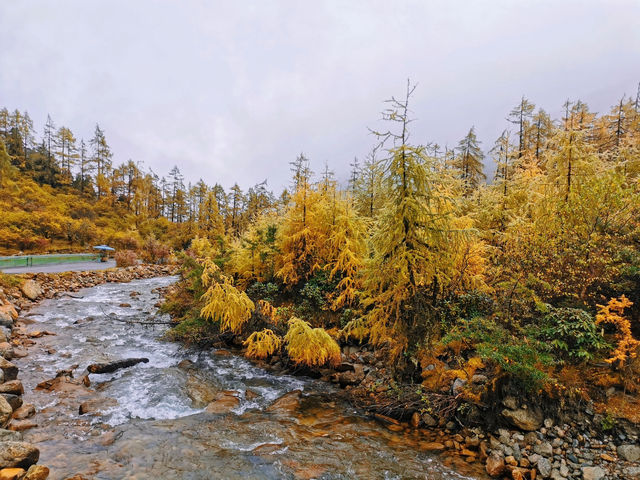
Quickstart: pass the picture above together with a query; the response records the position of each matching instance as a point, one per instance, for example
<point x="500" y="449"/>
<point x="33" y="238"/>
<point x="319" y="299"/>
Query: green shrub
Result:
<point x="572" y="334"/>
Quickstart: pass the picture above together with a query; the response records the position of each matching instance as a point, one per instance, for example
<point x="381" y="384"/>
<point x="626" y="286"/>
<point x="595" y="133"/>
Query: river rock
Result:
<point x="632" y="473"/>
<point x="9" y="369"/>
<point x="37" y="472"/>
<point x="6" y="350"/>
<point x="5" y="412"/>
<point x="109" y="367"/>
<point x="22" y="425"/>
<point x="31" y="289"/>
<point x="9" y="310"/>
<point x="23" y="412"/>
<point x="96" y="406"/>
<point x="495" y="465"/>
<point x="525" y="419"/>
<point x="12" y="386"/>
<point x="5" y="320"/>
<point x="226" y="402"/>
<point x="18" y="454"/>
<point x="14" y="400"/>
<point x="287" y="402"/>
<point x="593" y="473"/>
<point x="630" y="453"/>
<point x="545" y="449"/>
<point x="428" y="420"/>
<point x="11" y="473"/>
<point x="10" y="436"/>
<point x="544" y="467"/>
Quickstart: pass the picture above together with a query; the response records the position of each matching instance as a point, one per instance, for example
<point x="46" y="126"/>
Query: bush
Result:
<point x="572" y="333"/>
<point x="522" y="358"/>
<point x="312" y="347"/>
<point x="262" y="344"/>
<point x="126" y="258"/>
<point x="154" y="251"/>
<point x="263" y="291"/>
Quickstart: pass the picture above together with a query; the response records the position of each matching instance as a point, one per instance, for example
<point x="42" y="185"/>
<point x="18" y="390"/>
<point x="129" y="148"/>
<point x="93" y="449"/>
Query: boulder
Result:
<point x="544" y="467"/>
<point x="10" y="310"/>
<point x="109" y="367"/>
<point x="22" y="425"/>
<point x="5" y="412"/>
<point x="37" y="472"/>
<point x="23" y="412"/>
<point x="524" y="419"/>
<point x="495" y="465"/>
<point x="12" y="386"/>
<point x="10" y="436"/>
<point x="287" y="402"/>
<point x="631" y="453"/>
<point x="96" y="406"/>
<point x="31" y="289"/>
<point x="457" y="386"/>
<point x="11" y="473"/>
<point x="593" y="473"/>
<point x="6" y="350"/>
<point x="5" y="320"/>
<point x="14" y="400"/>
<point x="226" y="402"/>
<point x="18" y="454"/>
<point x="9" y="369"/>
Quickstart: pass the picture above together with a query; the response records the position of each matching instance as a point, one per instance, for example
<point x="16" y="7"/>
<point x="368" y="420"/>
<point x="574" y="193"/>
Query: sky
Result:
<point x="234" y="91"/>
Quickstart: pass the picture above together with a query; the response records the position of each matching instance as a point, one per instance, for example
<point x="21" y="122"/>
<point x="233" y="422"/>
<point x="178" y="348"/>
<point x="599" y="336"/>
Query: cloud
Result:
<point x="233" y="92"/>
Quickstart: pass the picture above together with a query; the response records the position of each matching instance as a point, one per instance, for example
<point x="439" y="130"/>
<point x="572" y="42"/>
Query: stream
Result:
<point x="151" y="422"/>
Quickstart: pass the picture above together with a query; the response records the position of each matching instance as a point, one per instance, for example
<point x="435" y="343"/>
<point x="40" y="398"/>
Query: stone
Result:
<point x="9" y="310"/>
<point x="224" y="403"/>
<point x="31" y="289"/>
<point x="630" y="453"/>
<point x="432" y="446"/>
<point x="288" y="402"/>
<point x="22" y="425"/>
<point x="548" y="422"/>
<point x="593" y="473"/>
<point x="37" y="472"/>
<point x="18" y="454"/>
<point x="510" y="402"/>
<point x="495" y="465"/>
<point x="428" y="420"/>
<point x="458" y="385"/>
<point x="632" y="473"/>
<point x="13" y="387"/>
<point x="9" y="369"/>
<point x="96" y="406"/>
<point x="5" y="412"/>
<point x="6" y="321"/>
<point x="545" y="449"/>
<point x="525" y="419"/>
<point x="25" y="411"/>
<point x="11" y="473"/>
<point x="10" y="436"/>
<point x="415" y="419"/>
<point x="544" y="467"/>
<point x="14" y="400"/>
<point x="479" y="379"/>
<point x="518" y="474"/>
<point x="6" y="350"/>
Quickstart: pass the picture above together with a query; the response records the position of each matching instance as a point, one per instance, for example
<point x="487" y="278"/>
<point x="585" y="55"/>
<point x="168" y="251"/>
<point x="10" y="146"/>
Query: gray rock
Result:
<point x="510" y="402"/>
<point x="630" y="453"/>
<point x="10" y="436"/>
<point x="545" y="449"/>
<point x="632" y="473"/>
<point x="9" y="370"/>
<point x="544" y="467"/>
<point x="533" y="458"/>
<point x="525" y="419"/>
<point x="6" y="320"/>
<point x="457" y="386"/>
<point x="555" y="475"/>
<point x="593" y="473"/>
<point x="18" y="454"/>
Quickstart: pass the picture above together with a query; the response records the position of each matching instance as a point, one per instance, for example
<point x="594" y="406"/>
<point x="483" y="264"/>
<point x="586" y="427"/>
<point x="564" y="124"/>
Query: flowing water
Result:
<point x="151" y="422"/>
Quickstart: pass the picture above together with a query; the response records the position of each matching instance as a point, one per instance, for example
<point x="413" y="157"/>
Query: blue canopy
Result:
<point x="104" y="247"/>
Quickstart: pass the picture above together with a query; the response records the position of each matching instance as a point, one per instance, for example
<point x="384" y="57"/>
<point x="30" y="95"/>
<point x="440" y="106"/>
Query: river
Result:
<point x="152" y="423"/>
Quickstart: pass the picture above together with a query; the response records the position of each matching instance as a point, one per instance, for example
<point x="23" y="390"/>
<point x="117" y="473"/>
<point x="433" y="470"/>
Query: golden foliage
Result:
<point x="223" y="302"/>
<point x="262" y="344"/>
<point x="309" y="346"/>
<point x="612" y="313"/>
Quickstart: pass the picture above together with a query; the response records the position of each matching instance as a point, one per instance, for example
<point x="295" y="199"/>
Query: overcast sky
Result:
<point x="233" y="91"/>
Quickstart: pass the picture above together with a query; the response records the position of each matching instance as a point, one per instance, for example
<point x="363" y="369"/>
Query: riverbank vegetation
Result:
<point x="457" y="285"/>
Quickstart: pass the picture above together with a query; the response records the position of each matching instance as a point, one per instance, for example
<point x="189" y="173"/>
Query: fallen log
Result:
<point x="109" y="367"/>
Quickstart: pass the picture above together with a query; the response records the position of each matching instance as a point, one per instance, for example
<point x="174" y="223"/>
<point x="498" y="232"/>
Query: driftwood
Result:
<point x="109" y="367"/>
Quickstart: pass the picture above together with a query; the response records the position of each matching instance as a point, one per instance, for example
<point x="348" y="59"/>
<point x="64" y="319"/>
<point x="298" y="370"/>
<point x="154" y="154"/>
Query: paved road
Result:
<point x="63" y="267"/>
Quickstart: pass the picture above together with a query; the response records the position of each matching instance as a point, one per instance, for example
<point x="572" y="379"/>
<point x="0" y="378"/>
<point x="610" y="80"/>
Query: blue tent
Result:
<point x="104" y="247"/>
